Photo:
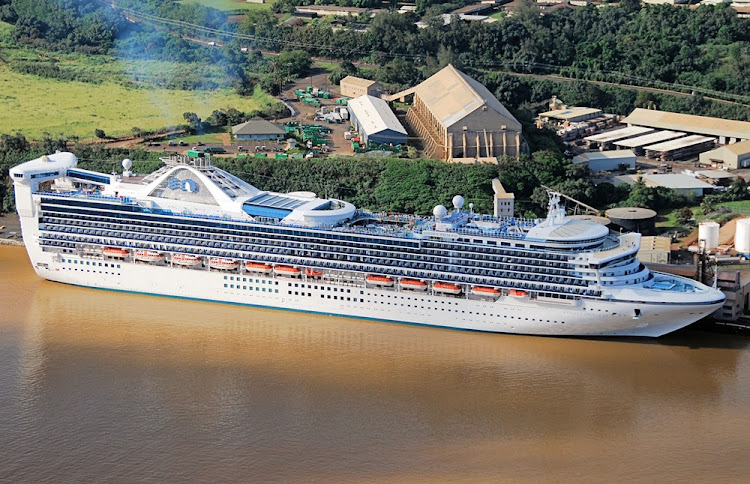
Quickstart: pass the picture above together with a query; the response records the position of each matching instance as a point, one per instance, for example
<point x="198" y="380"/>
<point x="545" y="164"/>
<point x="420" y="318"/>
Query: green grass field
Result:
<point x="229" y="5"/>
<point x="34" y="105"/>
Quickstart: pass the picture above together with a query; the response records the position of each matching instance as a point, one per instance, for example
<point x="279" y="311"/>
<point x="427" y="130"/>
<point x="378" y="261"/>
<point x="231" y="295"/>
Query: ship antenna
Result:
<point x="554" y="210"/>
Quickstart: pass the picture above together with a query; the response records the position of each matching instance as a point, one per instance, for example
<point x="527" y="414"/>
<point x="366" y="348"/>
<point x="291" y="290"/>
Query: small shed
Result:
<point x="352" y="86"/>
<point x="257" y="129"/>
<point x="375" y="122"/>
<point x="607" y="160"/>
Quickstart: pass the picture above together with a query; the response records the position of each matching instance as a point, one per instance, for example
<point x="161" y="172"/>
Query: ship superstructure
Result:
<point x="192" y="230"/>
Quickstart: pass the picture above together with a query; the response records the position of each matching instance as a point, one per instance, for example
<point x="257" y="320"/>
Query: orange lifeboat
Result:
<point x="517" y="293"/>
<point x="222" y="264"/>
<point x="485" y="291"/>
<point x="186" y="260"/>
<point x="313" y="273"/>
<point x="148" y="255"/>
<point x="446" y="288"/>
<point x="288" y="271"/>
<point x="379" y="280"/>
<point x="115" y="252"/>
<point x="258" y="267"/>
<point x="413" y="284"/>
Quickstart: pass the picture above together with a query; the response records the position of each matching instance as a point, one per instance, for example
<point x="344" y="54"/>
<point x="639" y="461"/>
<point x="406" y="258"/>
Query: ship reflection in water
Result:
<point x="101" y="385"/>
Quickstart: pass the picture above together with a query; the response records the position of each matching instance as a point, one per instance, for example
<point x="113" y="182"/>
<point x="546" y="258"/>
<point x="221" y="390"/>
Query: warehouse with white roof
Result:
<point x="607" y="160"/>
<point x="375" y="122"/>
<point x="681" y="183"/>
<point x="680" y="148"/>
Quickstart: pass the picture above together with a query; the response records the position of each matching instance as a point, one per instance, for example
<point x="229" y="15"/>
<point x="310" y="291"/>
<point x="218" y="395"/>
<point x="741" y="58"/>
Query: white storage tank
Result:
<point x="742" y="237"/>
<point x="709" y="231"/>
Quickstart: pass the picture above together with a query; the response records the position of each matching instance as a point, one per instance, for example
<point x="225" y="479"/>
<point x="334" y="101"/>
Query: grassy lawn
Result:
<point x="328" y="65"/>
<point x="229" y="5"/>
<point x="34" y="105"/>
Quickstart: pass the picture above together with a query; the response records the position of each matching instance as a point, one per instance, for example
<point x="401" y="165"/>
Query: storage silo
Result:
<point x="742" y="237"/>
<point x="709" y="231"/>
<point x="633" y="219"/>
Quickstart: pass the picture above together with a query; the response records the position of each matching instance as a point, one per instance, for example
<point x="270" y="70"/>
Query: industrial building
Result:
<point x="727" y="131"/>
<point x="375" y="122"/>
<point x="610" y="137"/>
<point x="637" y="143"/>
<point x="458" y="118"/>
<point x="571" y="115"/>
<point x="504" y="201"/>
<point x="681" y="183"/>
<point x="680" y="148"/>
<point x="257" y="129"/>
<point x="356" y="86"/>
<point x="732" y="157"/>
<point x="607" y="160"/>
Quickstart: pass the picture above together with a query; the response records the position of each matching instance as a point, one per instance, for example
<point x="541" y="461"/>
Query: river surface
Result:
<point x="100" y="386"/>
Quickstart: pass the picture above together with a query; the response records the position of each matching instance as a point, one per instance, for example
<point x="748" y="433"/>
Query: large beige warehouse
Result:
<point x="457" y="117"/>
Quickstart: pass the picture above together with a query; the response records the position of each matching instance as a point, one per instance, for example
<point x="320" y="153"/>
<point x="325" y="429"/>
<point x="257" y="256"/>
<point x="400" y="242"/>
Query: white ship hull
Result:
<point x="556" y="277"/>
<point x="505" y="315"/>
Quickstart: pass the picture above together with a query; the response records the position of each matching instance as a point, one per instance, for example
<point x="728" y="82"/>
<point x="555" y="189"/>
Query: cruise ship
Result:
<point x="191" y="230"/>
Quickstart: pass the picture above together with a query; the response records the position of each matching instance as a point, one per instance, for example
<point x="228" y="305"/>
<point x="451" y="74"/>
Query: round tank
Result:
<point x="742" y="236"/>
<point x="709" y="231"/>
<point x="633" y="219"/>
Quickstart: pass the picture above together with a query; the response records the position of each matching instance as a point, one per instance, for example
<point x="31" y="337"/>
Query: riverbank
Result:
<point x="10" y="233"/>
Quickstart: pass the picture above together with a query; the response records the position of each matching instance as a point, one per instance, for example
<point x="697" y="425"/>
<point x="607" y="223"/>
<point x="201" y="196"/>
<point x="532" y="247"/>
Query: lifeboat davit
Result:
<point x="413" y="284"/>
<point x="380" y="280"/>
<point x="485" y="291"/>
<point x="222" y="264"/>
<point x="115" y="252"/>
<point x="186" y="260"/>
<point x="446" y="288"/>
<point x="313" y="273"/>
<point x="517" y="293"/>
<point x="258" y="267"/>
<point x="148" y="255"/>
<point x="287" y="271"/>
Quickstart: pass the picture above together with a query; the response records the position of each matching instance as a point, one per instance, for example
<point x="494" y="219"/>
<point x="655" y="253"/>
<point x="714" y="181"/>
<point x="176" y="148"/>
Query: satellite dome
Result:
<point x="439" y="211"/>
<point x="127" y="163"/>
<point x="458" y="202"/>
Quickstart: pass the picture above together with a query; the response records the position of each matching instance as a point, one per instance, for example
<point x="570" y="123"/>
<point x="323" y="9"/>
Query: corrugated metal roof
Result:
<point x="451" y="95"/>
<point x="689" y="123"/>
<point x="649" y="139"/>
<point x="677" y="180"/>
<point x="617" y="134"/>
<point x="374" y="115"/>
<point x="678" y="143"/>
<point x="604" y="155"/>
